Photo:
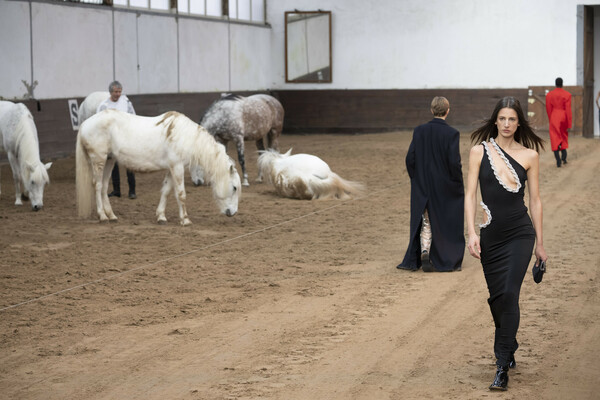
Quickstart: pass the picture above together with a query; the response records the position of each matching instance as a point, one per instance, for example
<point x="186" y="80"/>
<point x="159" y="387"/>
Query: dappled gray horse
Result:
<point x="239" y="118"/>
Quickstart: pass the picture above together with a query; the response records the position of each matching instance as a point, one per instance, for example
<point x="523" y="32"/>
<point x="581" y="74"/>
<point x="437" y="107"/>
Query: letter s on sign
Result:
<point x="74" y="113"/>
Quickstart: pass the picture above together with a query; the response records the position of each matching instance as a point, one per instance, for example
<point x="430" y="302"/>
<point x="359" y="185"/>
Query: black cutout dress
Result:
<point x="507" y="240"/>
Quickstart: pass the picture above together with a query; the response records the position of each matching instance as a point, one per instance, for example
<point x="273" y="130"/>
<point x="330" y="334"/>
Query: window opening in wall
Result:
<point x="252" y="11"/>
<point x="239" y="10"/>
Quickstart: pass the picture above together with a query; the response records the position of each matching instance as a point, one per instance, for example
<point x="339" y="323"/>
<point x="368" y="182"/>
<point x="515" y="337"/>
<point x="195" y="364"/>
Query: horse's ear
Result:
<point x="30" y="167"/>
<point x="289" y="152"/>
<point x="47" y="165"/>
<point x="231" y="170"/>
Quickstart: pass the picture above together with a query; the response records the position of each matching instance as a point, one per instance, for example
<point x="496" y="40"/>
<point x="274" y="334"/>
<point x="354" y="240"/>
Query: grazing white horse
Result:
<point x="169" y="142"/>
<point x="90" y="104"/>
<point x="20" y="141"/>
<point x="304" y="176"/>
<point x="89" y="107"/>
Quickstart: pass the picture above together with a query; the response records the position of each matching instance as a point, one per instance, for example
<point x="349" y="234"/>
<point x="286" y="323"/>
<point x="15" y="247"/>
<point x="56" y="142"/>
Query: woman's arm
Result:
<point x="535" y="204"/>
<point x="471" y="199"/>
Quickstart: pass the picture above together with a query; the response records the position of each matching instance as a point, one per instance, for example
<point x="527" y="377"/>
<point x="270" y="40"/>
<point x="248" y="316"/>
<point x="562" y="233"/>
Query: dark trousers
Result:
<point x="116" y="180"/>
<point x="562" y="155"/>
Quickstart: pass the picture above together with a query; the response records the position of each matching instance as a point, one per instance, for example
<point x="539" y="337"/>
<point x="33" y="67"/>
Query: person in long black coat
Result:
<point x="437" y="191"/>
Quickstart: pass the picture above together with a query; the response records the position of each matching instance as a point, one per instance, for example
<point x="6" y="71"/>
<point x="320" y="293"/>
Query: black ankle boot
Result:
<point x="501" y="378"/>
<point x="512" y="363"/>
<point x="563" y="156"/>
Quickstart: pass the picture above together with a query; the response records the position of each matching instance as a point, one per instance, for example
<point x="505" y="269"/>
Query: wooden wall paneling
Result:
<point x="306" y="111"/>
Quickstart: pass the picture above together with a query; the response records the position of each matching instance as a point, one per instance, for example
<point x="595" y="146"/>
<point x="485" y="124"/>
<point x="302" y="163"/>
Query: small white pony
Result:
<point x="20" y="141"/>
<point x="304" y="176"/>
<point x="169" y="142"/>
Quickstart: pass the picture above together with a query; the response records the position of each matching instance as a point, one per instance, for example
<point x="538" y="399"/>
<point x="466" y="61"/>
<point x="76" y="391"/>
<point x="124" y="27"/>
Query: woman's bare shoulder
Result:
<point x="476" y="150"/>
<point x="530" y="154"/>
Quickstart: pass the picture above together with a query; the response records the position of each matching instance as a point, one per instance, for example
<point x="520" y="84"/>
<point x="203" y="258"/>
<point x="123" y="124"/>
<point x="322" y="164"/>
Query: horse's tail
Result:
<point x="83" y="180"/>
<point x="336" y="187"/>
<point x="276" y="123"/>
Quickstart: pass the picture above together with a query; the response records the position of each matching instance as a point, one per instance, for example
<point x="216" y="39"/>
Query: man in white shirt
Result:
<point x="118" y="101"/>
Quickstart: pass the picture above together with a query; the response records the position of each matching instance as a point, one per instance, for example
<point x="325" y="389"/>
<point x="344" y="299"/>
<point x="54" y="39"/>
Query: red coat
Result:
<point x="558" y="107"/>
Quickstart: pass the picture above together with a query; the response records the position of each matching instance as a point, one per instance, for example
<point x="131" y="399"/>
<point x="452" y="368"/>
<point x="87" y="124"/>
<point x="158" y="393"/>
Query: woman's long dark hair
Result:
<point x="524" y="134"/>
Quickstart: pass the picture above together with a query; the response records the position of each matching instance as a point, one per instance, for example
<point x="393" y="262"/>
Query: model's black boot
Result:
<point x="563" y="156"/>
<point x="512" y="363"/>
<point x="501" y="378"/>
<point x="557" y="156"/>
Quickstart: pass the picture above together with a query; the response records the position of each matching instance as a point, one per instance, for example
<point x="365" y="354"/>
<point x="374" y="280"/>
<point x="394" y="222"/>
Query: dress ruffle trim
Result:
<point x="508" y="164"/>
<point x="489" y="215"/>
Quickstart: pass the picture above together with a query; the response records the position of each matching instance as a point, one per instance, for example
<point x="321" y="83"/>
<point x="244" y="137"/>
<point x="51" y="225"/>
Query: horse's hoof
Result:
<point x="113" y="220"/>
<point x="102" y="221"/>
<point x="245" y="183"/>
<point x="186" y="222"/>
<point x="162" y="222"/>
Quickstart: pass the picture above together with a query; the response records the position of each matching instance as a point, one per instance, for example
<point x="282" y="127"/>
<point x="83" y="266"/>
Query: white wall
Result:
<point x="416" y="44"/>
<point x="157" y="47"/>
<point x="387" y="44"/>
<point x="15" y="60"/>
<point x="126" y="53"/>
<point x="250" y="55"/>
<point x="204" y="66"/>
<point x="62" y="39"/>
<point x="78" y="49"/>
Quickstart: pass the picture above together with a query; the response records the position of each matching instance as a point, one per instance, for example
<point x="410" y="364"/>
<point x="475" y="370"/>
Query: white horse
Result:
<point x="20" y="141"/>
<point x="169" y="142"/>
<point x="90" y="104"/>
<point x="304" y="176"/>
<point x="89" y="107"/>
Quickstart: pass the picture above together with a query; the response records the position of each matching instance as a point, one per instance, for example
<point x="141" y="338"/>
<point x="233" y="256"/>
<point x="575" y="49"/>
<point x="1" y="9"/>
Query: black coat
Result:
<point x="436" y="183"/>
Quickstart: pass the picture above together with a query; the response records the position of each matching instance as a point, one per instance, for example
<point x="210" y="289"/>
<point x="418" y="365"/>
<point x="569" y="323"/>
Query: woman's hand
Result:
<point x="474" y="248"/>
<point x="540" y="253"/>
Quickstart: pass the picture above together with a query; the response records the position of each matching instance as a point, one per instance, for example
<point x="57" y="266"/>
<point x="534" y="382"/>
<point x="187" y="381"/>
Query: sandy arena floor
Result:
<point x="288" y="299"/>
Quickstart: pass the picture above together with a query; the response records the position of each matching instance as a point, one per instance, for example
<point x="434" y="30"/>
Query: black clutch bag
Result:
<point x="538" y="271"/>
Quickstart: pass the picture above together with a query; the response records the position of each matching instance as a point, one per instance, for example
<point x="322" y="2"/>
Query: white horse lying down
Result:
<point x="170" y="141"/>
<point x="304" y="176"/>
<point x="18" y="137"/>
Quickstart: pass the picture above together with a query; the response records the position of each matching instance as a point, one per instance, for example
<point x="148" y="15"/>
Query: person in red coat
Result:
<point x="558" y="107"/>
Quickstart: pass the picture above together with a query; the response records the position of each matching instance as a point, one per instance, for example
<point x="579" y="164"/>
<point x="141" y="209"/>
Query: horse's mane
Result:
<point x="224" y="97"/>
<point x="266" y="159"/>
<point x="27" y="144"/>
<point x="230" y="97"/>
<point x="192" y="142"/>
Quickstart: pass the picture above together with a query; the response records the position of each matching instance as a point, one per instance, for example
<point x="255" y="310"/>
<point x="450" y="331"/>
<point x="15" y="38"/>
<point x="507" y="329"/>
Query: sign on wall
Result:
<point x="74" y="113"/>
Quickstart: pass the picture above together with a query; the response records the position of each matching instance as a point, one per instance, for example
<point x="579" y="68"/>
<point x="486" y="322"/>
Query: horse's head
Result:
<point x="227" y="191"/>
<point x="35" y="177"/>
<point x="267" y="158"/>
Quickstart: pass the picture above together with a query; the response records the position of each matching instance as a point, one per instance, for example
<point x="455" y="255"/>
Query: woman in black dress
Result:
<point x="505" y="159"/>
